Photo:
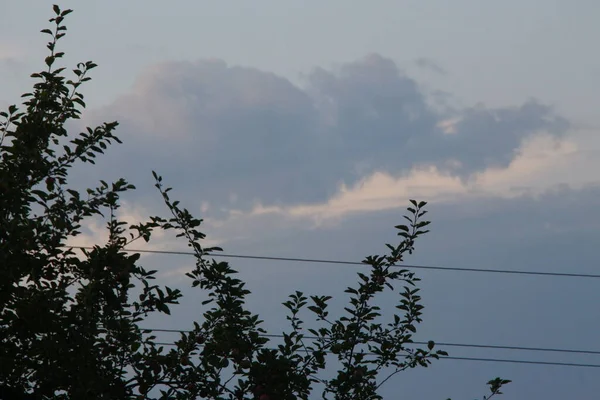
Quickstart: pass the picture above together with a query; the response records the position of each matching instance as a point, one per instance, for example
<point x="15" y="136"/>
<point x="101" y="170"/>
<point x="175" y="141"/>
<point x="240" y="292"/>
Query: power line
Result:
<point x="511" y="361"/>
<point x="322" y="261"/>
<point x="467" y="345"/>
<point x="484" y="359"/>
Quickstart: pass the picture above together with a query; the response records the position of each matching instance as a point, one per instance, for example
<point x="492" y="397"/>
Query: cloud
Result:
<point x="12" y="57"/>
<point x="482" y="137"/>
<point x="538" y="167"/>
<point x="10" y="51"/>
<point x="233" y="127"/>
<point x="227" y="134"/>
<point x="374" y="111"/>
<point x="95" y="232"/>
<point x="427" y="63"/>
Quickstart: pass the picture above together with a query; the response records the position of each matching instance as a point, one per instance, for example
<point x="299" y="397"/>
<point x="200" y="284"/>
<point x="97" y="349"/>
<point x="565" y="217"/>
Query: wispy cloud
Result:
<point x="427" y="63"/>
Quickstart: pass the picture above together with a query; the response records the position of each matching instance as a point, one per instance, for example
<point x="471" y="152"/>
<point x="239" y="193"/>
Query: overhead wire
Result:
<point x="448" y="344"/>
<point x="326" y="261"/>
<point x="405" y="266"/>
<point x="485" y="359"/>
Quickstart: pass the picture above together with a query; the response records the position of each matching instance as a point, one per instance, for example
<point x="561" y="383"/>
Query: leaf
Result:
<point x="314" y="309"/>
<point x="422" y="224"/>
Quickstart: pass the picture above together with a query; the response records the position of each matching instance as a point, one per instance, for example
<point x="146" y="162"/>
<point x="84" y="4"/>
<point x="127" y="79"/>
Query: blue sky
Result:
<point x="302" y="129"/>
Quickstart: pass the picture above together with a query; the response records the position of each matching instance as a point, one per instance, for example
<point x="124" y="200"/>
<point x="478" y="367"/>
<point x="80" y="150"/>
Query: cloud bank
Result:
<point x="236" y="137"/>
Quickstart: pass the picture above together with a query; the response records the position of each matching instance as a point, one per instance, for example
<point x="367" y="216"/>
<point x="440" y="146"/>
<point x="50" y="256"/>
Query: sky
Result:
<point x="302" y="129"/>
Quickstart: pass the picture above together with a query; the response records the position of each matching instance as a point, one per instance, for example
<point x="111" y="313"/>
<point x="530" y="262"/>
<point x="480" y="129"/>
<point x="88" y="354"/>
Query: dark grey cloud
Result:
<point x="375" y="111"/>
<point x="382" y="118"/>
<point x="241" y="130"/>
<point x="235" y="130"/>
<point x="484" y="137"/>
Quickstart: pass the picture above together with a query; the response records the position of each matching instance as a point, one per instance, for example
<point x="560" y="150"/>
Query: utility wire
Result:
<point x="480" y="359"/>
<point x="321" y="261"/>
<point x="500" y="360"/>
<point x="483" y="359"/>
<point x="481" y="346"/>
